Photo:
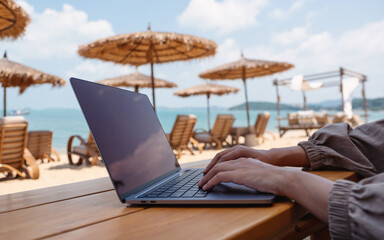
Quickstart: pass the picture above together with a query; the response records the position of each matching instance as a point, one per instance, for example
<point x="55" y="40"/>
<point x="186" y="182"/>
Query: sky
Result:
<point x="315" y="36"/>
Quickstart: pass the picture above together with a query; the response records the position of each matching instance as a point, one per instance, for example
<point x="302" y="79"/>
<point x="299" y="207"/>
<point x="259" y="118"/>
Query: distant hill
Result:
<point x="376" y="104"/>
<point x="265" y="106"/>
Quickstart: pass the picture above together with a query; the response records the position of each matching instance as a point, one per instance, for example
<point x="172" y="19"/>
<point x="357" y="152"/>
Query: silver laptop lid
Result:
<point x="128" y="134"/>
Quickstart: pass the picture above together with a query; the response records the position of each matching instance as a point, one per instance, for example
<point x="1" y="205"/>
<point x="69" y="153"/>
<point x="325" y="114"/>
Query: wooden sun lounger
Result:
<point x="307" y="123"/>
<point x="39" y="143"/>
<point x="181" y="134"/>
<point x="15" y="158"/>
<point x="87" y="150"/>
<point x="307" y="129"/>
<point x="259" y="129"/>
<point x="219" y="133"/>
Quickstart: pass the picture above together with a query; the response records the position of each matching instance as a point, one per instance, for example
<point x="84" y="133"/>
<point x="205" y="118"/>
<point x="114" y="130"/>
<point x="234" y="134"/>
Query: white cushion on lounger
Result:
<point x="12" y="119"/>
<point x="202" y="137"/>
<point x="80" y="149"/>
<point x="307" y="117"/>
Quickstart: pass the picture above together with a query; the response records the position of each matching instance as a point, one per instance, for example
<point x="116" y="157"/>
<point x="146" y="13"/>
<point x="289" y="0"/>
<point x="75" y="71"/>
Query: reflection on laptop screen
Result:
<point x="129" y="135"/>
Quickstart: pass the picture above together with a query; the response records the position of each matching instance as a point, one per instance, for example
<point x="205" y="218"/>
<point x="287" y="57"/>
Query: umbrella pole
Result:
<point x="153" y="87"/>
<point x="246" y="100"/>
<point x="208" y="113"/>
<point x="304" y="101"/>
<point x="137" y="88"/>
<point x="5" y="102"/>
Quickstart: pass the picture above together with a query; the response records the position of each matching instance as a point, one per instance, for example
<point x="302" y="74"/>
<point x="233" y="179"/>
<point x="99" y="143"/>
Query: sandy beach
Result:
<point x="58" y="173"/>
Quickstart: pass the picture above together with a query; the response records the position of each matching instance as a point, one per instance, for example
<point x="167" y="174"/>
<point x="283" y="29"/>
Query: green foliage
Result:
<point x="376" y="104"/>
<point x="265" y="106"/>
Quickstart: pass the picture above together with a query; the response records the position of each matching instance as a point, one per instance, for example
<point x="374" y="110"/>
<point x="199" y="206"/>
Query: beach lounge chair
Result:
<point x="341" y="117"/>
<point x="15" y="158"/>
<point x="219" y="133"/>
<point x="39" y="143"/>
<point x="259" y="129"/>
<point x="301" y="120"/>
<point x="181" y="134"/>
<point x="87" y="150"/>
<point x="355" y="121"/>
<point x="322" y="118"/>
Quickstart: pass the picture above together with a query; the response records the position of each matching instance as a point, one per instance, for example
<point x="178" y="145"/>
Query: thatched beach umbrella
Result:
<point x="14" y="74"/>
<point x="208" y="90"/>
<point x="244" y="69"/>
<point x="13" y="19"/>
<point x="148" y="48"/>
<point x="137" y="80"/>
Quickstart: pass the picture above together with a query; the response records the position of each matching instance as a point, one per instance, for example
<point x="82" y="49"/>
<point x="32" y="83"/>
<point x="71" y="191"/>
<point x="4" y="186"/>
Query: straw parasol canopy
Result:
<point x="13" y="19"/>
<point x="243" y="69"/>
<point x="208" y="90"/>
<point x="136" y="80"/>
<point x="14" y="74"/>
<point x="149" y="48"/>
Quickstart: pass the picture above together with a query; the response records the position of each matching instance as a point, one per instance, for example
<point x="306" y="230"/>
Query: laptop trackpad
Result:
<point x="232" y="188"/>
<point x="232" y="191"/>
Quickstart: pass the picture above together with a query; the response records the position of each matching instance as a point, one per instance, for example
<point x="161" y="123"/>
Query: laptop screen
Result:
<point x="128" y="134"/>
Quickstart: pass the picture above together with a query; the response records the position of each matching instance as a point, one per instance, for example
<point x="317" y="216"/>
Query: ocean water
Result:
<point x="67" y="122"/>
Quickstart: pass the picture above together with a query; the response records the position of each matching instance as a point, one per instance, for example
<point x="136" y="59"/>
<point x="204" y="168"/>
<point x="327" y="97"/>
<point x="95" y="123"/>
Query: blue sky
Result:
<point x="315" y="36"/>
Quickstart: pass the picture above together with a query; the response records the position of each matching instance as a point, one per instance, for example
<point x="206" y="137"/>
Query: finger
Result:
<point x="221" y="177"/>
<point x="229" y="156"/>
<point x="215" y="159"/>
<point x="222" y="167"/>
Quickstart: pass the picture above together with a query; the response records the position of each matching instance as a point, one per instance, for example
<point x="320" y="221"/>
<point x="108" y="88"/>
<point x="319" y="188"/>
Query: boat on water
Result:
<point x="18" y="112"/>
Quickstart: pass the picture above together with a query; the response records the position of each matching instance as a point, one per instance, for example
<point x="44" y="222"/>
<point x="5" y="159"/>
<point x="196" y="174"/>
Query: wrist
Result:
<point x="276" y="156"/>
<point x="289" y="156"/>
<point x="288" y="181"/>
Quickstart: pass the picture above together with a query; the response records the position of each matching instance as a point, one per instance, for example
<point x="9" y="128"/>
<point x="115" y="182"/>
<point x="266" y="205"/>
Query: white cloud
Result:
<point x="57" y="34"/>
<point x="360" y="49"/>
<point x="97" y="70"/>
<point x="289" y="37"/>
<point x="281" y="14"/>
<point x="367" y="40"/>
<point x="221" y="16"/>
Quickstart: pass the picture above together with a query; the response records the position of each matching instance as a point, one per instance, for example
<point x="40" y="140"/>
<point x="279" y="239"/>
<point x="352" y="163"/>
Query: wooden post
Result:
<point x="364" y="99"/>
<point x="304" y="101"/>
<point x="5" y="90"/>
<point x="150" y="59"/>
<point x="5" y="101"/>
<point x="278" y="102"/>
<point x="137" y="88"/>
<point x="153" y="87"/>
<point x="208" y="113"/>
<point x="246" y="100"/>
<point x="341" y="88"/>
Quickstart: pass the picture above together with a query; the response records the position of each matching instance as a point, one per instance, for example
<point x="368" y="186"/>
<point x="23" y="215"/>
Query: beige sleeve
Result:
<point x="356" y="210"/>
<point x="339" y="146"/>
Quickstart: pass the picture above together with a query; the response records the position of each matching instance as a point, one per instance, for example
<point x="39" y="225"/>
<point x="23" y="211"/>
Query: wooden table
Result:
<point x="92" y="210"/>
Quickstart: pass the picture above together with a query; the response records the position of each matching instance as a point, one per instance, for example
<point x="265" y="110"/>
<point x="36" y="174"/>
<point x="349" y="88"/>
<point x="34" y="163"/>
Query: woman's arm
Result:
<point x="339" y="146"/>
<point x="333" y="146"/>
<point x="289" y="156"/>
<point x="307" y="189"/>
<point x="356" y="210"/>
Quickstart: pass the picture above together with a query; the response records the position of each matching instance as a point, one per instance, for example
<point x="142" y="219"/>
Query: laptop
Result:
<point x="140" y="162"/>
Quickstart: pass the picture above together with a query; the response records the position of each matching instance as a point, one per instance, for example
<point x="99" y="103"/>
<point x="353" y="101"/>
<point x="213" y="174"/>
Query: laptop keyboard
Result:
<point x="184" y="186"/>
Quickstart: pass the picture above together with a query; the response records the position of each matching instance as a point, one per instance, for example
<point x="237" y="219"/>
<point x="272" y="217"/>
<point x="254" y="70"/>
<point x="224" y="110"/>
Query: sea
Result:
<point x="67" y="122"/>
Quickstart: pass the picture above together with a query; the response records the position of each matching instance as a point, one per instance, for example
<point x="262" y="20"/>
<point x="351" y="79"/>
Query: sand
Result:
<point x="58" y="173"/>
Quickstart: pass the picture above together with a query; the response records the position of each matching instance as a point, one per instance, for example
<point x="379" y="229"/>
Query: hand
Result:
<point x="289" y="156"/>
<point x="307" y="189"/>
<point x="248" y="172"/>
<point x="237" y="152"/>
